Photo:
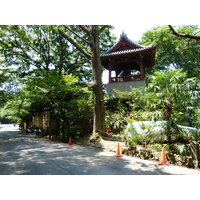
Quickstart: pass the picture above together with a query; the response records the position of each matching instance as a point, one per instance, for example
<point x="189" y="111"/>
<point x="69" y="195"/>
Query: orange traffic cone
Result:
<point x="118" y="151"/>
<point x="108" y="131"/>
<point x="163" y="160"/>
<point x="70" y="140"/>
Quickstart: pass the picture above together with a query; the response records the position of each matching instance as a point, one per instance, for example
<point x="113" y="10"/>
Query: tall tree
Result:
<point x="26" y="48"/>
<point x="4" y="95"/>
<point x="175" y="52"/>
<point x="92" y="38"/>
<point x="190" y="36"/>
<point x="61" y="95"/>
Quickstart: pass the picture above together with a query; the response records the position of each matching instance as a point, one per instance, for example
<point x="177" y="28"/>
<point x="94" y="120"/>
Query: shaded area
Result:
<point x="23" y="154"/>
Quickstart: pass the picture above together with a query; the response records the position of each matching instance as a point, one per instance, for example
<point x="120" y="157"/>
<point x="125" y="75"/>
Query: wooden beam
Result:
<point x="141" y="68"/>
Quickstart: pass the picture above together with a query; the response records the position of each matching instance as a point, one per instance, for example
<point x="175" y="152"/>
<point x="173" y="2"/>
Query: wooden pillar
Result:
<point x="110" y="71"/>
<point x="141" y="68"/>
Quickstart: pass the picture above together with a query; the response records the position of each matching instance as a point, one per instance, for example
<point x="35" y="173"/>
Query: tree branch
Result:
<point x="84" y="29"/>
<point x="20" y="107"/>
<point x="26" y="56"/>
<point x="183" y="35"/>
<point x="102" y="28"/>
<point x="75" y="44"/>
<point x="197" y="32"/>
<point x="77" y="35"/>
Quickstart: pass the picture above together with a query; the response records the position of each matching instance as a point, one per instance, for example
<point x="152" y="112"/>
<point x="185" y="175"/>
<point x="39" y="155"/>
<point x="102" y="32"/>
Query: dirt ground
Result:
<point x="106" y="144"/>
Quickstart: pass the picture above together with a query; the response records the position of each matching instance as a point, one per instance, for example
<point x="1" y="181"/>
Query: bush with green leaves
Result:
<point x="69" y="101"/>
<point x="134" y="141"/>
<point x="178" y="95"/>
<point x="116" y="111"/>
<point x="117" y="105"/>
<point x="178" y="149"/>
<point x="134" y="137"/>
<point x="116" y="122"/>
<point x="169" y="96"/>
<point x="73" y="131"/>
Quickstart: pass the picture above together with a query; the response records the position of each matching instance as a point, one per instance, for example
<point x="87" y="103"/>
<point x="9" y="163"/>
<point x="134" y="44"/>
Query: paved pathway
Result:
<point x="24" y="154"/>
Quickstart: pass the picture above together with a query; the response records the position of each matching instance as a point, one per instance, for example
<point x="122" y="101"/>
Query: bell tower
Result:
<point x="126" y="62"/>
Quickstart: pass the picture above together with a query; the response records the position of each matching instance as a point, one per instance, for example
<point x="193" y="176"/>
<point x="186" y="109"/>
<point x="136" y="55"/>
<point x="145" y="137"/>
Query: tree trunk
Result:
<point x="93" y="32"/>
<point x="99" y="111"/>
<point x="168" y="117"/>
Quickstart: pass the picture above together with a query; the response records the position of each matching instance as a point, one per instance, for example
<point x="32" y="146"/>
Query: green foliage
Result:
<point x="68" y="100"/>
<point x="73" y="131"/>
<point x="41" y="70"/>
<point x="146" y="137"/>
<point x="157" y="147"/>
<point x="175" y="93"/>
<point x="117" y="109"/>
<point x="134" y="141"/>
<point x="152" y="137"/>
<point x="116" y="122"/>
<point x="167" y="88"/>
<point x="136" y="96"/>
<point x="173" y="51"/>
<point x="117" y="105"/>
<point x="26" y="48"/>
<point x="195" y="118"/>
<point x="178" y="149"/>
<point x="140" y="139"/>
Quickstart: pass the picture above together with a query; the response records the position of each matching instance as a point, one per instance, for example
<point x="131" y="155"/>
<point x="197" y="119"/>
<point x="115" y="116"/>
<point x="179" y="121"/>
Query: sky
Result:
<point x="134" y="32"/>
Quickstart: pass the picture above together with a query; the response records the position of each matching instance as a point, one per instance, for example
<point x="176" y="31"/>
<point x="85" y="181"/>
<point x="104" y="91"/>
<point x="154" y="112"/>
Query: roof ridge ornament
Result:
<point x="123" y="35"/>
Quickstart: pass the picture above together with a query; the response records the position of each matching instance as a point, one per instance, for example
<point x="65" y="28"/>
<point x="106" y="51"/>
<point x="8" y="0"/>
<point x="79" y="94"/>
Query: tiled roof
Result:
<point x="123" y="35"/>
<point x="139" y="48"/>
<point x="127" y="51"/>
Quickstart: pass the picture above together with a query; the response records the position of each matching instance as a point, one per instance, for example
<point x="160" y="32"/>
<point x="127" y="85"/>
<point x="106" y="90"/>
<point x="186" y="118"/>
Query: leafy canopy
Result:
<point x="175" y="52"/>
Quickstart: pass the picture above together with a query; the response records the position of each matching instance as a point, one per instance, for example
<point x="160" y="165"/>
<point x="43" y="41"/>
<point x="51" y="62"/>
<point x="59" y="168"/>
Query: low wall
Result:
<point x="123" y="87"/>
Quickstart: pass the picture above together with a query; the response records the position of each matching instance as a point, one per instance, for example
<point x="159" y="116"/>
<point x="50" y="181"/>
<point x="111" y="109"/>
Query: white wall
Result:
<point x="123" y="86"/>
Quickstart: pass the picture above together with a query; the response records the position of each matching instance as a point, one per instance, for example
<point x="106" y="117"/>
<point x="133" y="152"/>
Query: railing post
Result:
<point x="110" y="71"/>
<point x="141" y="69"/>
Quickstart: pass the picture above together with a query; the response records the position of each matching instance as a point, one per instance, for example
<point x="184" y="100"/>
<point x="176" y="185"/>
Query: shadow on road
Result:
<point x="29" y="155"/>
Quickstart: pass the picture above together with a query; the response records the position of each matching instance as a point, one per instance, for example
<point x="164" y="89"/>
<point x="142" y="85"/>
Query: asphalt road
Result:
<point x="22" y="154"/>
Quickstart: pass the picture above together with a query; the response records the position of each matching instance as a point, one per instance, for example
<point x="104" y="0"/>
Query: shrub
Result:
<point x="115" y="104"/>
<point x="73" y="131"/>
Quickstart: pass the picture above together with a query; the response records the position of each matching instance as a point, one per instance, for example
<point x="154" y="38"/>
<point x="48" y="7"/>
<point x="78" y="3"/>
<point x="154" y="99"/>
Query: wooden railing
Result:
<point x="125" y="78"/>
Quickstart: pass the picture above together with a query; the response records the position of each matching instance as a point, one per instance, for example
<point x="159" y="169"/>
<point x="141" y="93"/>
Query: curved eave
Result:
<point x="124" y="53"/>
